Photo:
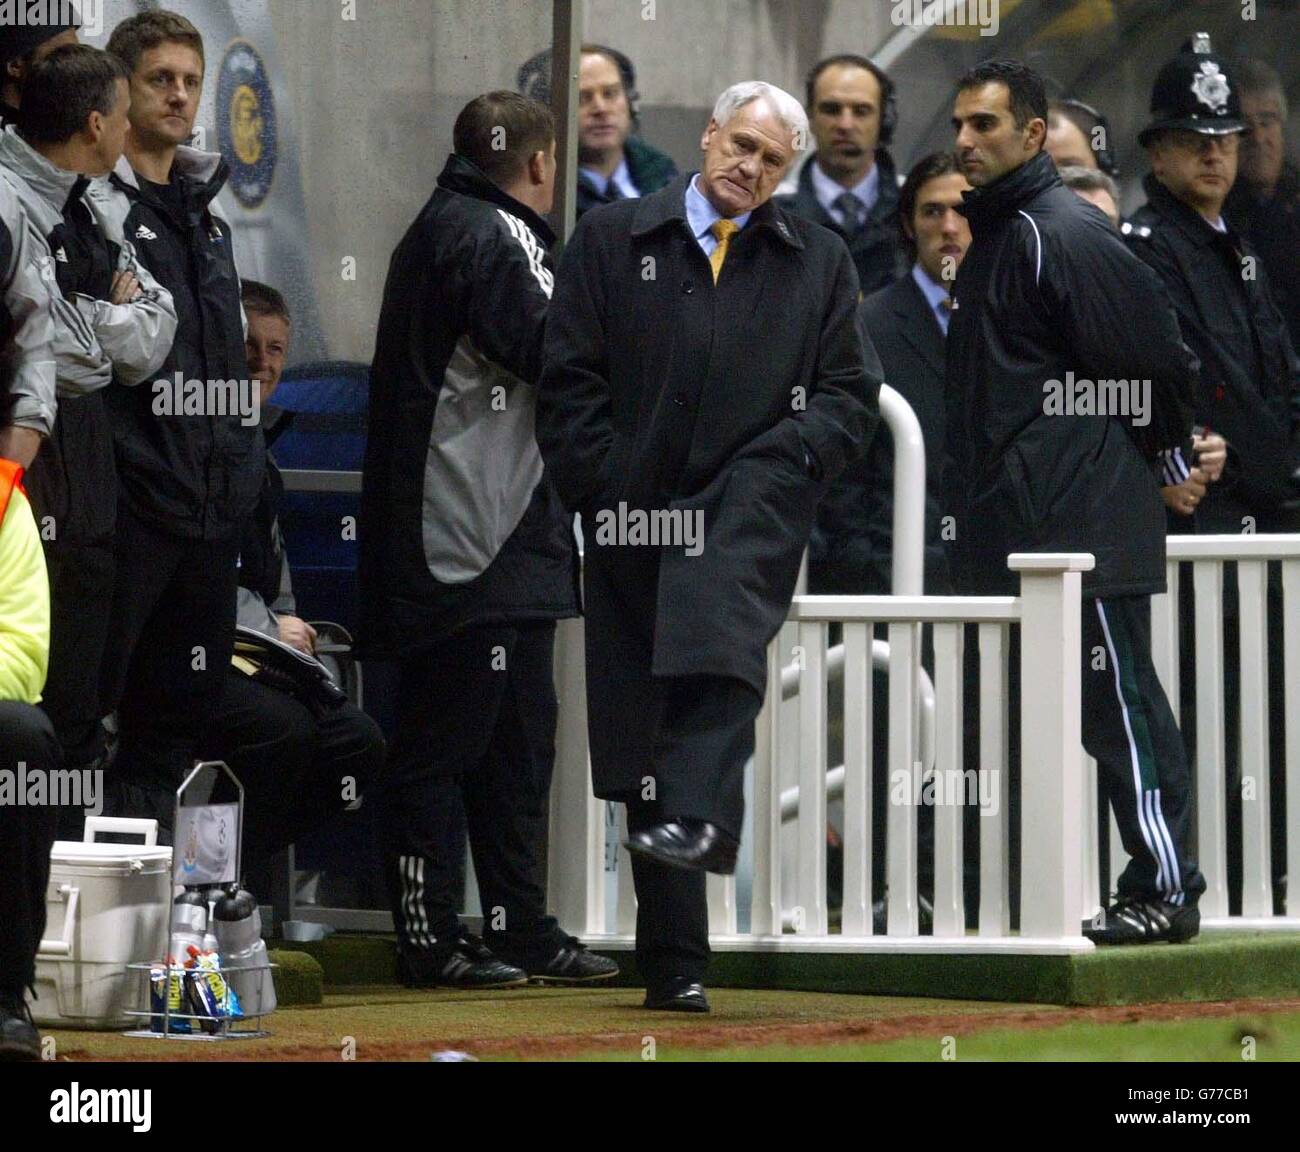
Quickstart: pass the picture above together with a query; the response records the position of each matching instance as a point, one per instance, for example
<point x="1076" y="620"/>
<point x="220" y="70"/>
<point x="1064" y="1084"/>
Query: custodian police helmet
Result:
<point x="1195" y="91"/>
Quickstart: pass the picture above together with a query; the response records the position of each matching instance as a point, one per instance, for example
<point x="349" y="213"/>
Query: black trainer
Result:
<point x="19" y="1039"/>
<point x="1134" y="920"/>
<point x="572" y="964"/>
<point x="465" y="963"/>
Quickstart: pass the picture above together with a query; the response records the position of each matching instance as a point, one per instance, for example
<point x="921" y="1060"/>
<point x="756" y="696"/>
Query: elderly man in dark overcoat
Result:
<point x="705" y="378"/>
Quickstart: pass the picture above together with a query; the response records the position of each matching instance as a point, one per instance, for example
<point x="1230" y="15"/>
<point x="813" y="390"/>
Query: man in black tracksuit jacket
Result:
<point x="1046" y="297"/>
<point x="467" y="559"/>
<point x="186" y="479"/>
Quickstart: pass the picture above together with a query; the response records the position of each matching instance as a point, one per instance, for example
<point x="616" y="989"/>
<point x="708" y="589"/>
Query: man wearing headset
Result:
<point x="613" y="162"/>
<point x="1078" y="136"/>
<point x="849" y="185"/>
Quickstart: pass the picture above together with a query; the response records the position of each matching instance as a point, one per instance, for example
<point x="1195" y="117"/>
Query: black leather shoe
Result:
<point x="694" y="844"/>
<point x="677" y="995"/>
<point x="19" y="1040"/>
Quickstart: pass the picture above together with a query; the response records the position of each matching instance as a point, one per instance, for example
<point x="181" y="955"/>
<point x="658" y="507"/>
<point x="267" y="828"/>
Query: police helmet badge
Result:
<point x="1210" y="87"/>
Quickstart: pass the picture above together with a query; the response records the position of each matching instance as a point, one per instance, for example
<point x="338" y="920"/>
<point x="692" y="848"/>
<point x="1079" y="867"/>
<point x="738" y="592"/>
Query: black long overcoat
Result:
<point x="730" y="405"/>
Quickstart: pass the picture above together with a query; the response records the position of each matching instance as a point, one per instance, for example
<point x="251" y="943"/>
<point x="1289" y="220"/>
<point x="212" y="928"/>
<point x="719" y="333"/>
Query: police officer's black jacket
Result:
<point x="875" y="246"/>
<point x="1048" y="293"/>
<point x="193" y="476"/>
<point x="1250" y="383"/>
<point x="459" y="524"/>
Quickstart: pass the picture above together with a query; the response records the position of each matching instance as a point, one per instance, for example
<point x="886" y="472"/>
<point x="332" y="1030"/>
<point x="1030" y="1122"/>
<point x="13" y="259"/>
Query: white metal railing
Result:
<point x="1059" y="849"/>
<point x="1252" y="556"/>
<point x="1052" y="799"/>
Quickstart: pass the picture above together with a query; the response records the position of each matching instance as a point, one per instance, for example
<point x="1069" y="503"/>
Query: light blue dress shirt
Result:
<point x="621" y="179"/>
<point x="701" y="216"/>
<point x="828" y="191"/>
<point x="936" y="294"/>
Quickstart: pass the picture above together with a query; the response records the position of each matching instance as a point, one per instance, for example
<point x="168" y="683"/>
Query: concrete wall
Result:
<point x="366" y="92"/>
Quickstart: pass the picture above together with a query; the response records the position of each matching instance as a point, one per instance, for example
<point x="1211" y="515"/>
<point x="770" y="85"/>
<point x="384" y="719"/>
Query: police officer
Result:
<point x="1249" y="387"/>
<point x="1249" y="390"/>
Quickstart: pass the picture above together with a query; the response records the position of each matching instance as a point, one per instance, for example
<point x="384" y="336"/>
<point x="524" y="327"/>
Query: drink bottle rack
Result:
<point x="163" y="1022"/>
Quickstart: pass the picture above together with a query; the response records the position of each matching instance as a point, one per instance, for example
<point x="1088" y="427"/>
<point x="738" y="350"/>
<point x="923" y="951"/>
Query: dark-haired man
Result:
<point x="852" y="548"/>
<point x="111" y="322"/>
<point x="1048" y="293"/>
<point x="21" y="47"/>
<point x="468" y="560"/>
<point x="614" y="163"/>
<point x="849" y="184"/>
<point x="186" y="479"/>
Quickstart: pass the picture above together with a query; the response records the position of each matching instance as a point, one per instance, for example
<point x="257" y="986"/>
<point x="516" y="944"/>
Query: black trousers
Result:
<point x="476" y="723"/>
<point x="170" y="638"/>
<point x="299" y="766"/>
<point x="1129" y="728"/>
<point x="81" y="598"/>
<point x="26" y="834"/>
<point x="704" y="737"/>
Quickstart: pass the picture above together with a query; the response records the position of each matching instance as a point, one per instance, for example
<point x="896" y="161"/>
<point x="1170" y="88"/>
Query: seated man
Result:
<point x="26" y="739"/>
<point x="300" y="763"/>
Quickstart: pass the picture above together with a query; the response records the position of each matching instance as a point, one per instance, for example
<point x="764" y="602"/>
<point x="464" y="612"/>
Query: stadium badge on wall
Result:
<point x="246" y="128"/>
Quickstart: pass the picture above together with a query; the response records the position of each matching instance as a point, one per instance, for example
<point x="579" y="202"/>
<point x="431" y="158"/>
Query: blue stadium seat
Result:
<point x="328" y="401"/>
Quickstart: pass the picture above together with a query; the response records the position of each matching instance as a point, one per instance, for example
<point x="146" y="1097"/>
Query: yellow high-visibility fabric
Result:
<point x="24" y="595"/>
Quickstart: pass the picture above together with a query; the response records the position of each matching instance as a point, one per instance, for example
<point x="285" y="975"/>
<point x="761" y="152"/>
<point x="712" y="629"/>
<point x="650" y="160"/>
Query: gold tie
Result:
<point x="723" y="231"/>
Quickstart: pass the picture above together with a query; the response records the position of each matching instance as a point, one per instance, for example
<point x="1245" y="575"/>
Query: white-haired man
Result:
<point x="704" y="378"/>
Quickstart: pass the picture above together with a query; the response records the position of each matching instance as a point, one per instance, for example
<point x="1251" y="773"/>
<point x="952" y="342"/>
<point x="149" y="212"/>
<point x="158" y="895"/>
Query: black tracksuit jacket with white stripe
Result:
<point x="459" y="525"/>
<point x="1047" y="289"/>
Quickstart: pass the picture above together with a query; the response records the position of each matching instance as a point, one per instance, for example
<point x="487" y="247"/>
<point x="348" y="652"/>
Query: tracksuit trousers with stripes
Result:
<point x="1129" y="729"/>
<point x="475" y="726"/>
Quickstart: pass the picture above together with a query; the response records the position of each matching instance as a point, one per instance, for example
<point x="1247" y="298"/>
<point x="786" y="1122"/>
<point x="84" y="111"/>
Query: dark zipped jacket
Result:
<point x="1249" y="389"/>
<point x="193" y="476"/>
<point x="1047" y="297"/>
<point x="459" y="524"/>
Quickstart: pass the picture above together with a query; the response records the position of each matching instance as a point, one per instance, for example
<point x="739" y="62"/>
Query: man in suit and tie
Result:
<point x="704" y="368"/>
<point x="907" y="321"/>
<point x="852" y="545"/>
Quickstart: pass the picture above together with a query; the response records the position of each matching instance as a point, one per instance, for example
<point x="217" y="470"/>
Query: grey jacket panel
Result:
<point x="482" y="466"/>
<point x="93" y="338"/>
<point x="30" y="361"/>
<point x="255" y="612"/>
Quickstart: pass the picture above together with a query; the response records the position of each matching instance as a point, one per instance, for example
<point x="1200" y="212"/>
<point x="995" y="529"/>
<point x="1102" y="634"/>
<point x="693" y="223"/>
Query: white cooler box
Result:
<point x="107" y="906"/>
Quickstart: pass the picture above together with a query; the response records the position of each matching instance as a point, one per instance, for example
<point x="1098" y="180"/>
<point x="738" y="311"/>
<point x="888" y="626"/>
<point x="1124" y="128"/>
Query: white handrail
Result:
<point x="907" y="574"/>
